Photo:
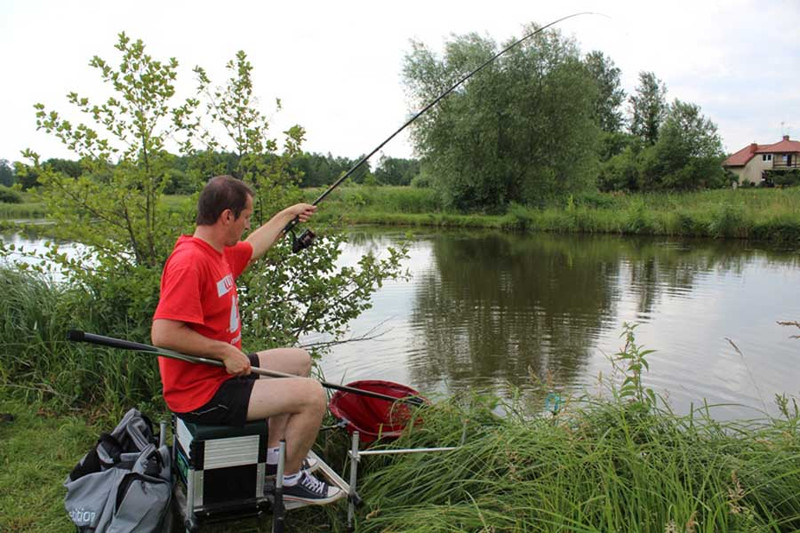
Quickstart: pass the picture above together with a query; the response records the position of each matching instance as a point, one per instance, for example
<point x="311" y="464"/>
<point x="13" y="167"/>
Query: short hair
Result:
<point x="219" y="194"/>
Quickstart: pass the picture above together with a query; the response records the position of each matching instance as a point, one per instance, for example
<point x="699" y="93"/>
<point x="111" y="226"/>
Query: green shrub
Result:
<point x="9" y="196"/>
<point x="786" y="178"/>
<point x="727" y="220"/>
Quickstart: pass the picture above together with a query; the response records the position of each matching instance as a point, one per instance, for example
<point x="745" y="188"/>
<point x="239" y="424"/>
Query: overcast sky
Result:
<point x="336" y="65"/>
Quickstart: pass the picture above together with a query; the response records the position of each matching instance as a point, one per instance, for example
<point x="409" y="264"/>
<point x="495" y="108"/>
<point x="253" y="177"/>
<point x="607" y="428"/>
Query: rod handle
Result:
<point x="77" y="335"/>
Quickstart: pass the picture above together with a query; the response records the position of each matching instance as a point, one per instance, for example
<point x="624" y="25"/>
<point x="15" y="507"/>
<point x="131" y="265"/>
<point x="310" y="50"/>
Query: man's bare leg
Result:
<point x="302" y="401"/>
<point x="294" y="361"/>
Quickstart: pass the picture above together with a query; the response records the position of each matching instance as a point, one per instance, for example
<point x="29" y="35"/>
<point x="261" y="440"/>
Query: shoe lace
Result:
<point x="313" y="484"/>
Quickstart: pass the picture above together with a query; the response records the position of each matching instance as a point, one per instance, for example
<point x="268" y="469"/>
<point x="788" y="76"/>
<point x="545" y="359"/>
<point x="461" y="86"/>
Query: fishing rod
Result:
<point x="82" y="336"/>
<point x="307" y="237"/>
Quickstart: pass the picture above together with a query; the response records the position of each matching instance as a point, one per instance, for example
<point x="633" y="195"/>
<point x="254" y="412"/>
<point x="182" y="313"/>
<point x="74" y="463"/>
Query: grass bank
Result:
<point x="595" y="467"/>
<point x="771" y="215"/>
<point x="25" y="210"/>
<point x="758" y="214"/>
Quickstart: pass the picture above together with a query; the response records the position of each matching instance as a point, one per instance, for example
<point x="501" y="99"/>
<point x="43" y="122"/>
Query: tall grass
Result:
<point x="768" y="215"/>
<point x="603" y="467"/>
<point x="619" y="463"/>
<point x="38" y="363"/>
<point x="25" y="210"/>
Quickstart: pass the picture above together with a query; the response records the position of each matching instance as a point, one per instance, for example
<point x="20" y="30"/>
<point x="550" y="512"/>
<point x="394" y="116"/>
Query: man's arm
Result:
<point x="265" y="236"/>
<point x="178" y="336"/>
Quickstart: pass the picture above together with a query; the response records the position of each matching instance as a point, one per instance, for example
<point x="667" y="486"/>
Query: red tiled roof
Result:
<point x="740" y="158"/>
<point x="783" y="147"/>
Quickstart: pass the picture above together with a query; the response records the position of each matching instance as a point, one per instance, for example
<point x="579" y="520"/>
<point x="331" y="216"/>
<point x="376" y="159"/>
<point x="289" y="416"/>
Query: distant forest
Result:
<point x="186" y="174"/>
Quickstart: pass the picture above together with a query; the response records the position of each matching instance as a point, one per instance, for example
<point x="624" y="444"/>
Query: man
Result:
<point x="198" y="314"/>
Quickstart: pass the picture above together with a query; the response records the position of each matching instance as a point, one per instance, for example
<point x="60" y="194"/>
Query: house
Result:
<point x="755" y="162"/>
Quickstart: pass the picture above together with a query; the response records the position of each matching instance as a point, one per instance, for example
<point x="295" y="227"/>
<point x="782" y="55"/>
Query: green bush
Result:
<point x="786" y="178"/>
<point x="9" y="196"/>
<point x="727" y="220"/>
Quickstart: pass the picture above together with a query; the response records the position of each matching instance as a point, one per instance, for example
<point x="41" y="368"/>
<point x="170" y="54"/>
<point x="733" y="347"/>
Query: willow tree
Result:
<point x="522" y="130"/>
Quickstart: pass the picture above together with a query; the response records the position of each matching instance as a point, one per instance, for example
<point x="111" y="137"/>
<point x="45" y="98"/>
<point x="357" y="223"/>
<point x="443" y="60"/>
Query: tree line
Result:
<point x="184" y="174"/>
<point x="540" y="123"/>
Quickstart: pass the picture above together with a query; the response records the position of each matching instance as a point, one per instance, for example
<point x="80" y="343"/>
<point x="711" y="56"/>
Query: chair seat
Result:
<point x="209" y="432"/>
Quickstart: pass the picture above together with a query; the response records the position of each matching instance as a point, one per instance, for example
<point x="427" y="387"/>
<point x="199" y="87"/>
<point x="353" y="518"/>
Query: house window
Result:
<point x="766" y="157"/>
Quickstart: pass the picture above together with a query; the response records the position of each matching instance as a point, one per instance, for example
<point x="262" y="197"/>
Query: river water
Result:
<point x="540" y="313"/>
<point x="505" y="312"/>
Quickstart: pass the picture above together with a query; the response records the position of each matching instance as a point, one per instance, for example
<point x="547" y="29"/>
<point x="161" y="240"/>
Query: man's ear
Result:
<point x="226" y="216"/>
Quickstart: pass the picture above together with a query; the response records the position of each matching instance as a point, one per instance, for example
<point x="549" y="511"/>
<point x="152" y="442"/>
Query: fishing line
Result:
<point x="307" y="237"/>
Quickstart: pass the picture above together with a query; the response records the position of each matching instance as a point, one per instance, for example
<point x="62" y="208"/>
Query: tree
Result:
<point x="521" y="130"/>
<point x="7" y="175"/>
<point x="688" y="154"/>
<point x="648" y="107"/>
<point x="396" y="171"/>
<point x="610" y="94"/>
<point x="127" y="143"/>
<point x="289" y="295"/>
<point x="67" y="167"/>
<point x="622" y="172"/>
<point x="114" y="205"/>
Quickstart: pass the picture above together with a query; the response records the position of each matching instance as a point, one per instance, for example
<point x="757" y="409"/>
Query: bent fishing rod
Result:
<point x="82" y="336"/>
<point x="307" y="237"/>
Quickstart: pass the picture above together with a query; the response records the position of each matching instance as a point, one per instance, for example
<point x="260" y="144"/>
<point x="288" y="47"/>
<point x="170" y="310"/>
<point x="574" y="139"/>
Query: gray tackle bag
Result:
<point x="123" y="484"/>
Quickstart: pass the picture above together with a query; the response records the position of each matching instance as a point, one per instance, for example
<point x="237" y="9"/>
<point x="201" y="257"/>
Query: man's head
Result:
<point x="219" y="194"/>
<point x="227" y="201"/>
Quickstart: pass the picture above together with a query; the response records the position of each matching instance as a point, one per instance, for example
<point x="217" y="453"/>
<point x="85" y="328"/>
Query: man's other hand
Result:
<point x="236" y="362"/>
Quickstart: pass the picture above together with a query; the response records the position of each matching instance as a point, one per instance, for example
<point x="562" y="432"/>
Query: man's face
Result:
<point x="239" y="225"/>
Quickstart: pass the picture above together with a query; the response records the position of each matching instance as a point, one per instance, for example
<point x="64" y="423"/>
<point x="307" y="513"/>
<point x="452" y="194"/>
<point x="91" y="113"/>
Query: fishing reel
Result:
<point x="302" y="242"/>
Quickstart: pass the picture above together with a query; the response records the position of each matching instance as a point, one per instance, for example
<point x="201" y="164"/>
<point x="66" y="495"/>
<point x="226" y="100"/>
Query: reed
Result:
<point x="26" y="210"/>
<point x="39" y="364"/>
<point x="758" y="214"/>
<point x="602" y="467"/>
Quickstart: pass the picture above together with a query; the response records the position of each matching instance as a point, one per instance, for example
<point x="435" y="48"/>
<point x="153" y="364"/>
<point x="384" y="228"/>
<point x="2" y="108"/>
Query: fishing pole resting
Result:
<point x="122" y="344"/>
<point x="306" y="238"/>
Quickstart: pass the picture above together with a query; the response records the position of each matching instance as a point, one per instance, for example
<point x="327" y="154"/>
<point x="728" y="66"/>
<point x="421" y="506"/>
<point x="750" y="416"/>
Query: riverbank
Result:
<point x="610" y="463"/>
<point x="770" y="215"/>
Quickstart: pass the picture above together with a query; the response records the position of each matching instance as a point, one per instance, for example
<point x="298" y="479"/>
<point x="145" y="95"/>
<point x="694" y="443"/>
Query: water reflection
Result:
<point x="489" y="310"/>
<point x="498" y="307"/>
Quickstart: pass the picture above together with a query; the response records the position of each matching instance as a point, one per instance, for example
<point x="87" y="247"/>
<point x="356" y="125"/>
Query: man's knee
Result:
<point x="309" y="394"/>
<point x="317" y="396"/>
<point x="303" y="361"/>
<point x="296" y="361"/>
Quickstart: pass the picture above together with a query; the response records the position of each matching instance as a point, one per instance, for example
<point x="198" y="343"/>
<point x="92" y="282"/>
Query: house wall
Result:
<point x="752" y="170"/>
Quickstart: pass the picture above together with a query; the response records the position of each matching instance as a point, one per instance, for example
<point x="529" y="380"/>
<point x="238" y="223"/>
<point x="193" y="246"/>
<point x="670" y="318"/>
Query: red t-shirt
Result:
<point x="198" y="288"/>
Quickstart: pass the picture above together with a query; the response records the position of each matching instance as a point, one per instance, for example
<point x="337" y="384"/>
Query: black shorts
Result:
<point x="228" y="406"/>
